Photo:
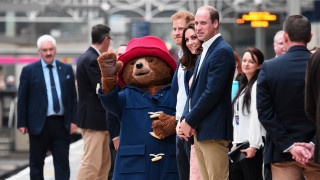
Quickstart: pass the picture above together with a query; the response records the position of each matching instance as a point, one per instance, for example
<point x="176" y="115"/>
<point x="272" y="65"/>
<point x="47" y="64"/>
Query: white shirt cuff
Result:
<point x="115" y="138"/>
<point x="287" y="150"/>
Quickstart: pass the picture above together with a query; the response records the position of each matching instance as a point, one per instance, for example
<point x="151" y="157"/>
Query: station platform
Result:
<point x="75" y="155"/>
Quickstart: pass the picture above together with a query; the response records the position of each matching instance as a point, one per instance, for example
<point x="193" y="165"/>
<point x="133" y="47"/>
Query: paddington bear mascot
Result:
<point x="143" y="103"/>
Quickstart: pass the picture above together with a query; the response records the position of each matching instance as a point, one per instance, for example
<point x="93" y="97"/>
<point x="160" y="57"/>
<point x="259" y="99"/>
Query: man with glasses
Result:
<point x="96" y="160"/>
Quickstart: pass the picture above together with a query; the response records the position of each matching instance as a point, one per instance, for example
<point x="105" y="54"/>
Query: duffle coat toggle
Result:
<point x="157" y="157"/>
<point x="155" y="114"/>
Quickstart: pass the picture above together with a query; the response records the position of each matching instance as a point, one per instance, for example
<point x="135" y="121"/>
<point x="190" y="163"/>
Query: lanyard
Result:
<point x="236" y="116"/>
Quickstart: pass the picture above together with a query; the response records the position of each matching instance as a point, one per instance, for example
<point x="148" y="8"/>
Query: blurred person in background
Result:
<point x="47" y="104"/>
<point x="96" y="160"/>
<point x="121" y="49"/>
<point x="278" y="45"/>
<point x="314" y="49"/>
<point x="237" y="76"/>
<point x="2" y="82"/>
<point x="11" y="83"/>
<point x="312" y="105"/>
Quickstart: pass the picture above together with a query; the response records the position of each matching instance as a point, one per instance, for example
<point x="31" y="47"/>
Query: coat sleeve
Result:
<point x="174" y="84"/>
<point x="266" y="113"/>
<point x="23" y="92"/>
<point x="74" y="101"/>
<point x="310" y="99"/>
<point x="114" y="101"/>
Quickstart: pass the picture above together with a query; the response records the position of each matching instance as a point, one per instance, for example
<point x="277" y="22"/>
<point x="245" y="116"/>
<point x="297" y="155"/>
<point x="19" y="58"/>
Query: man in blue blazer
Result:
<point x="280" y="103"/>
<point x="47" y="103"/>
<point x="208" y="108"/>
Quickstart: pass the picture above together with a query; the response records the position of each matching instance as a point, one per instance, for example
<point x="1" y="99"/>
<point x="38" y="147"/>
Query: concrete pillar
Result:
<point x="10" y="24"/>
<point x="260" y="38"/>
<point x="293" y="7"/>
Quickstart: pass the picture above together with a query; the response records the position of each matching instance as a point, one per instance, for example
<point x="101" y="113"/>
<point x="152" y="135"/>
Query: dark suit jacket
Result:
<point x="91" y="114"/>
<point x="210" y="94"/>
<point x="280" y="103"/>
<point x="33" y="101"/>
<point x="312" y="100"/>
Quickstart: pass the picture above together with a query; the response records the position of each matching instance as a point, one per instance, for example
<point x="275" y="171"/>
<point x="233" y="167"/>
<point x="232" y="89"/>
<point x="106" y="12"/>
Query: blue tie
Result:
<point x="56" y="105"/>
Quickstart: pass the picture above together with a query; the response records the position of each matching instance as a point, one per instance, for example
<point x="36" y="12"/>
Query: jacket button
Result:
<point x="160" y="95"/>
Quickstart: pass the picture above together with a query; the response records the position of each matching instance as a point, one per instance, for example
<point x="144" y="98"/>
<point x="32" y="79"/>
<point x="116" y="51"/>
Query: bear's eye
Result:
<point x="150" y="60"/>
<point x="132" y="63"/>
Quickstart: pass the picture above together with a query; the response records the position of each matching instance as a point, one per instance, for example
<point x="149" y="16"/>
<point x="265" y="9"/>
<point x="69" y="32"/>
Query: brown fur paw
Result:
<point x="108" y="84"/>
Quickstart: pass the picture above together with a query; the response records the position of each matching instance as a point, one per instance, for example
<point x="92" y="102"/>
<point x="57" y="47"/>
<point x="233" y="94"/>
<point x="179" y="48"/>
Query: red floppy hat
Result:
<point x="145" y="46"/>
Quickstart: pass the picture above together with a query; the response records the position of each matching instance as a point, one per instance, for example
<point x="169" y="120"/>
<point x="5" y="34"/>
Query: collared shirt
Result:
<point x="46" y="74"/>
<point x="181" y="95"/>
<point x="206" y="46"/>
<point x="96" y="50"/>
<point x="248" y="126"/>
<point x="180" y="53"/>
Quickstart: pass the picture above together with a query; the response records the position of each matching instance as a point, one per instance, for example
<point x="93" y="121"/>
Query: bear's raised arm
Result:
<point x="109" y="67"/>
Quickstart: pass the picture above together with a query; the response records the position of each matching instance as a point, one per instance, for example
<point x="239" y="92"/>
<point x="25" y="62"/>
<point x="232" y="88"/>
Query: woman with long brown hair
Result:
<point x="246" y="125"/>
<point x="191" y="47"/>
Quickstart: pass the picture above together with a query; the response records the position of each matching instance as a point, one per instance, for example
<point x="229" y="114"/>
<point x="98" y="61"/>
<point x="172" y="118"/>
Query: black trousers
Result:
<point x="183" y="158"/>
<point x="248" y="169"/>
<point x="113" y="154"/>
<point x="56" y="138"/>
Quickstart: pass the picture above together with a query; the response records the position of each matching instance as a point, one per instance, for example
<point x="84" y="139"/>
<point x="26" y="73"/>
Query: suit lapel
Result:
<point x="195" y="73"/>
<point x="62" y="77"/>
<point x="210" y="50"/>
<point x="41" y="75"/>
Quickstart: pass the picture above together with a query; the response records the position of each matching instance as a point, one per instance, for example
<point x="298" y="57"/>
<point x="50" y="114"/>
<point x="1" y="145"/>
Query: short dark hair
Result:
<point x="298" y="28"/>
<point x="99" y="32"/>
<point x="214" y="14"/>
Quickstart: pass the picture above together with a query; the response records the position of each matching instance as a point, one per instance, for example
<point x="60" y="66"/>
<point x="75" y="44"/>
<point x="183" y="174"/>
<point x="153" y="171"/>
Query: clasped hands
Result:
<point x="184" y="130"/>
<point x="302" y="152"/>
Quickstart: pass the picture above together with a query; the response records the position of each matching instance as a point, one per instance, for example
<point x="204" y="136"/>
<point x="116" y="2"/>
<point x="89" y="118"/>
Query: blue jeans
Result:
<point x="183" y="158"/>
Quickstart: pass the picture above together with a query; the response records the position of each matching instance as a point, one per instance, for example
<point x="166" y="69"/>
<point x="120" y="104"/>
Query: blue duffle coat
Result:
<point x="133" y="160"/>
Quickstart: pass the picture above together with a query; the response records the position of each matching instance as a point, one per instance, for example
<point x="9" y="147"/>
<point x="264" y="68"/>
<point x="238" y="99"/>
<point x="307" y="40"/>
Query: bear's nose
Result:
<point x="139" y="65"/>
